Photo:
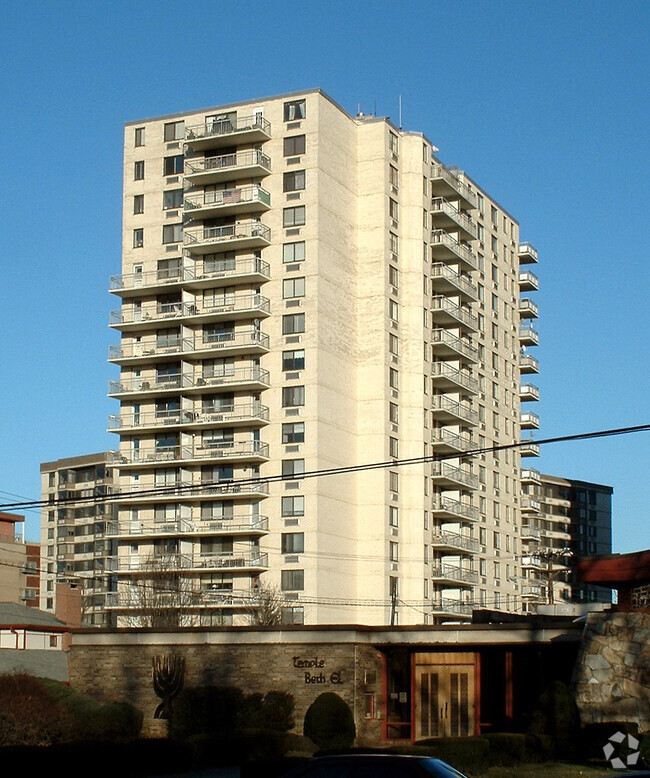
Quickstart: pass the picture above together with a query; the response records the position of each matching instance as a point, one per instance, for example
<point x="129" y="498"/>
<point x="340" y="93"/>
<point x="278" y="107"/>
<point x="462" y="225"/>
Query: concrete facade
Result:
<point x="305" y="290"/>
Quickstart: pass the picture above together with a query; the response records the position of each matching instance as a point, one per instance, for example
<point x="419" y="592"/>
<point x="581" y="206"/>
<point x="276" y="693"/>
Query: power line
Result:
<point x="174" y="490"/>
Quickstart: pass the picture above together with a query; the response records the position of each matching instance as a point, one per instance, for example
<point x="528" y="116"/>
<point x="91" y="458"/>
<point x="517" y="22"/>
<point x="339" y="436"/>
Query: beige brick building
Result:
<point x="303" y="290"/>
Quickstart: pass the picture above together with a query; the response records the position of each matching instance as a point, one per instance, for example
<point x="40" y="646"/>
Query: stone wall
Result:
<point x="612" y="674"/>
<point x="123" y="671"/>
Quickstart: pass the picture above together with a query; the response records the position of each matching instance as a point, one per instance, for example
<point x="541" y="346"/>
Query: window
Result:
<point x="394" y="243"/>
<point x="393" y="177"/>
<point x="292" y="580"/>
<point x="138" y="203"/>
<point x="293" y="360"/>
<point x="393" y="310"/>
<point x="293" y="433"/>
<point x="293" y="396"/>
<point x="139" y="136"/>
<point x="293" y="217"/>
<point x="393" y="447"/>
<point x="293" y="542"/>
<point x="168" y="268"/>
<point x="494" y="215"/>
<point x="293" y="468"/>
<point x="393" y="481"/>
<point x="393" y="551"/>
<point x="295" y="109"/>
<point x="393" y="413"/>
<point x="393" y="277"/>
<point x="172" y="233"/>
<point x="293" y="252"/>
<point x="393" y="378"/>
<point x="174" y="131"/>
<point x="292" y="323"/>
<point x="173" y="165"/>
<point x="293" y="506"/>
<point x="293" y="181"/>
<point x="293" y="287"/>
<point x="138" y="170"/>
<point x="294" y="145"/>
<point x="393" y="209"/>
<point x="393" y="143"/>
<point x="172" y="199"/>
<point x="393" y="345"/>
<point x="393" y="516"/>
<point x="138" y="238"/>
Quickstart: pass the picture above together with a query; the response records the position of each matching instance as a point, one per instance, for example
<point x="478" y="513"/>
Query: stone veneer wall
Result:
<point x="612" y="674"/>
<point x="123" y="671"/>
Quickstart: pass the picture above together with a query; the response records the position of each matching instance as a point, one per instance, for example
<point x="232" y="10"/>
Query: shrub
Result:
<point x="467" y="754"/>
<point x="329" y="722"/>
<point x="277" y="711"/>
<point x="29" y="714"/>
<point x="205" y="709"/>
<point x="506" y="748"/>
<point x="556" y="722"/>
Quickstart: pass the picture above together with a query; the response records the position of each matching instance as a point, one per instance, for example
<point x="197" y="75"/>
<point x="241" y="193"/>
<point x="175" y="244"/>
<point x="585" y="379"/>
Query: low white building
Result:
<point x="32" y="641"/>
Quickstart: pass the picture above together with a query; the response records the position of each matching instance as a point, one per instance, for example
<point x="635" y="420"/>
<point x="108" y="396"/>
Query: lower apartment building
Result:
<point x="562" y="520"/>
<point x="305" y="291"/>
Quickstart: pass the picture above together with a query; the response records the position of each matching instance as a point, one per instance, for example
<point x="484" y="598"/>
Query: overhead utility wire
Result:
<point x="174" y="489"/>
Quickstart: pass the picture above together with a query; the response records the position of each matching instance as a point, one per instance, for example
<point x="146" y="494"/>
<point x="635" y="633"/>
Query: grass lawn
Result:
<point x="550" y="770"/>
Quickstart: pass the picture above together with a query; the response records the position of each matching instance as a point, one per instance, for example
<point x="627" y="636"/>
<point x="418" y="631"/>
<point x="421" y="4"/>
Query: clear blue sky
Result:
<point x="544" y="103"/>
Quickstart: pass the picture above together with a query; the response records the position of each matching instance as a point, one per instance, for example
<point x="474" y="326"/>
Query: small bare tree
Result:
<point x="267" y="606"/>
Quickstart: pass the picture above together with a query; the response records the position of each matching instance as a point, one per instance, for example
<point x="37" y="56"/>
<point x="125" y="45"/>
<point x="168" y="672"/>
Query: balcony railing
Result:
<point x="226" y="341"/>
<point x="454" y="541"/>
<point x="527" y="253"/>
<point x="444" y="505"/>
<point x="446" y="375"/>
<point x="528" y="309"/>
<point x="443" y="438"/>
<point x="452" y="573"/>
<point x="446" y="182"/>
<point x="238" y="523"/>
<point x="228" y="166"/>
<point x="175" y="381"/>
<point x="529" y="448"/>
<point x="530" y="533"/>
<point x="445" y="277"/>
<point x="248" y="198"/>
<point x="528" y="392"/>
<point x="447" y="215"/>
<point x="232" y="304"/>
<point x="454" y="607"/>
<point x="190" y="600"/>
<point x="528" y="363"/>
<point x="216" y="561"/>
<point x="445" y="342"/>
<point x="446" y="407"/>
<point x="529" y="421"/>
<point x="530" y="475"/>
<point x="528" y="281"/>
<point x="443" y="309"/>
<point x="221" y="449"/>
<point x="228" y="269"/>
<point x="230" y="414"/>
<point x="445" y="473"/>
<point x="528" y="336"/>
<point x="226" y="127"/>
<point x="192" y="489"/>
<point x="242" y="234"/>
<point x="446" y="247"/>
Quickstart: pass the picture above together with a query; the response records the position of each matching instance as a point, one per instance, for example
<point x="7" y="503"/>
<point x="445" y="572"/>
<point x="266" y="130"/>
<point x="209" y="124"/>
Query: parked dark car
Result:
<point x="374" y="766"/>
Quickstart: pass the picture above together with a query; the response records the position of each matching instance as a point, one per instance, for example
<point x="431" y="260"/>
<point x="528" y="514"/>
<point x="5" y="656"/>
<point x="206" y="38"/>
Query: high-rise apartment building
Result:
<point x="74" y="546"/>
<point x="562" y="520"/>
<point x="304" y="290"/>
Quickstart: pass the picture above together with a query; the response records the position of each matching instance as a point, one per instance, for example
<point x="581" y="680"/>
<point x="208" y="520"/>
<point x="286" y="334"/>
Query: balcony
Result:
<point x="528" y="282"/>
<point x="446" y="183"/>
<point x="529" y="448"/>
<point x="446" y="216"/>
<point x="189" y="490"/>
<point x="453" y="575"/>
<point x="250" y="450"/>
<point x="238" y="525"/>
<point x="533" y="591"/>
<point x="209" y="204"/>
<point x="445" y="508"/>
<point x="530" y="504"/>
<point x="445" y="247"/>
<point x="528" y="364"/>
<point x="451" y="541"/>
<point x="229" y="271"/>
<point x="227" y="167"/>
<point x="228" y="131"/>
<point x="229" y="237"/>
<point x="444" y="441"/>
<point x="230" y="343"/>
<point x="446" y="345"/>
<point x="444" y="474"/>
<point x="534" y="562"/>
<point x="445" y="409"/>
<point x="530" y="477"/>
<point x="529" y="421"/>
<point x="244" y="562"/>
<point x="528" y="309"/>
<point x="446" y="377"/>
<point x="528" y="393"/>
<point x="444" y="311"/>
<point x="253" y="377"/>
<point x="528" y="336"/>
<point x="242" y="414"/>
<point x="527" y="254"/>
<point x="455" y="609"/>
<point x="222" y="598"/>
<point x="446" y="280"/>
<point x="230" y="306"/>
<point x="530" y="533"/>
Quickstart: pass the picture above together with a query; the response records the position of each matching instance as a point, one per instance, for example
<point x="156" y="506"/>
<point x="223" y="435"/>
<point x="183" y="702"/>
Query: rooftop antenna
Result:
<point x="400" y="112"/>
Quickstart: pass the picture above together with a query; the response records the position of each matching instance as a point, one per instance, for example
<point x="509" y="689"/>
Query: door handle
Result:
<point x="445" y="710"/>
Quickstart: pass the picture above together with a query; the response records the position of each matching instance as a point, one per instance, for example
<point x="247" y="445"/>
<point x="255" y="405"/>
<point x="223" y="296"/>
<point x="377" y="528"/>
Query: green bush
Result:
<point x="277" y="711"/>
<point x="329" y="722"/>
<point x="205" y="709"/>
<point x="507" y="748"/>
<point x="30" y="715"/>
<point x="555" y="721"/>
<point x="467" y="754"/>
